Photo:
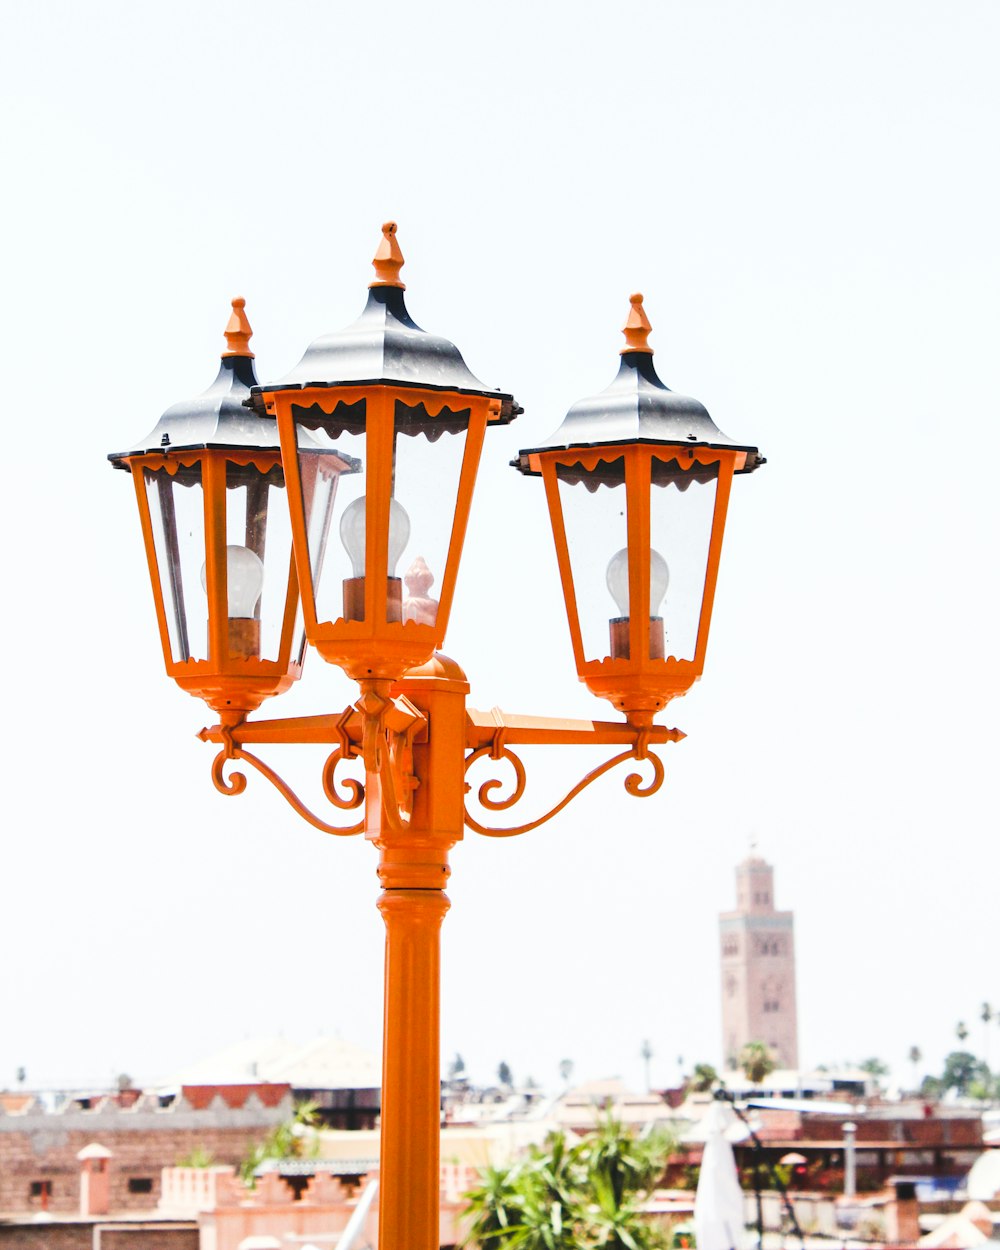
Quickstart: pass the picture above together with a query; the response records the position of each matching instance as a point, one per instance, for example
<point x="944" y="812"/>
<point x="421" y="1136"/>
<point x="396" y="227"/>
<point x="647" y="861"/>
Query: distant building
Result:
<point x="757" y="951"/>
<point x="341" y="1079"/>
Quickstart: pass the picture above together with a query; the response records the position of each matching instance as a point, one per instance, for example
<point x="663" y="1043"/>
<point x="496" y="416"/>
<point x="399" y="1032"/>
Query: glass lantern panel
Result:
<point x="595" y="516"/>
<point x="177" y="513"/>
<point x="427" y="470"/>
<point x="258" y="559"/>
<point x="332" y="468"/>
<point x="681" y="510"/>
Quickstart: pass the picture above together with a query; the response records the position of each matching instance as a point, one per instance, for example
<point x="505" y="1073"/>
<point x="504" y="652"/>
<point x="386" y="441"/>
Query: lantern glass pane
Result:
<point x="177" y="513"/>
<point x="332" y="469"/>
<point x="681" y="510"/>
<point x="428" y="460"/>
<point x="595" y="516"/>
<point x="258" y="560"/>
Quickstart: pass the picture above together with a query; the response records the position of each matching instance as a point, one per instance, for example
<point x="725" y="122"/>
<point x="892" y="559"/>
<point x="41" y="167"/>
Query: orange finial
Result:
<point x="238" y="331"/>
<point x="388" y="259"/>
<point x="636" y="329"/>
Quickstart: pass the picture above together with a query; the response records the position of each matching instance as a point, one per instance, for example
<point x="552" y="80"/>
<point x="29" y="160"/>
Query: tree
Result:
<point x="290" y="1139"/>
<point x="565" y="1070"/>
<point x="961" y="1032"/>
<point x="961" y="1068"/>
<point x="504" y="1074"/>
<point x="646" y="1053"/>
<point x="702" y="1079"/>
<point x="874" y="1067"/>
<point x="986" y="1015"/>
<point x="585" y="1196"/>
<point x="756" y="1061"/>
<point x="456" y="1069"/>
<point x="915" y="1056"/>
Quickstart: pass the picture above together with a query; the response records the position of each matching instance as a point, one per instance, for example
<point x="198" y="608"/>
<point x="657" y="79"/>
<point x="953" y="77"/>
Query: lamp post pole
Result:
<point x="413" y="870"/>
<point x="237" y="490"/>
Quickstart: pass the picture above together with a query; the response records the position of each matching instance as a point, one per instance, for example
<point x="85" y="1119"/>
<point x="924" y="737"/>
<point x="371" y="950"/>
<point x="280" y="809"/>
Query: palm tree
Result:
<point x="986" y="1015"/>
<point x="915" y="1056"/>
<point x="288" y="1140"/>
<point x="702" y="1079"/>
<point x="961" y="1032"/>
<point x="646" y="1053"/>
<point x="565" y="1070"/>
<point x="586" y="1196"/>
<point x="756" y="1061"/>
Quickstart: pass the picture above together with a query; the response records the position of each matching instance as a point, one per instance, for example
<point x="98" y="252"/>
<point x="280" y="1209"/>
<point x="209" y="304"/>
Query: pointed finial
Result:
<point x="238" y="331"/>
<point x="636" y="329"/>
<point x="388" y="259"/>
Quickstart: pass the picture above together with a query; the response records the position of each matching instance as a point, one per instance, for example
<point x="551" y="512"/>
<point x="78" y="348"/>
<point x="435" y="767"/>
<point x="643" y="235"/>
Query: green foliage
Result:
<point x="291" y="1139"/>
<point x="504" y="1074"/>
<point x="756" y="1061"/>
<point x="199" y="1157"/>
<point x="702" y="1079"/>
<point x="581" y="1196"/>
<point x="874" y="1067"/>
<point x="961" y="1069"/>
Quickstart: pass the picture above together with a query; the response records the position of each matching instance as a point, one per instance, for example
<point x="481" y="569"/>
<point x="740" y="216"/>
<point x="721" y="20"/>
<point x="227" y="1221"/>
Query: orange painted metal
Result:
<point x="229" y="681"/>
<point x="413" y="869"/>
<point x="378" y="647"/>
<point x="641" y="683"/>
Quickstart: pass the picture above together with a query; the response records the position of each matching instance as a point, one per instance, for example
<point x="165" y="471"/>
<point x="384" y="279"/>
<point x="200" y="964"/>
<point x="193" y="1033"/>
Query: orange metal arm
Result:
<point x="483" y="728"/>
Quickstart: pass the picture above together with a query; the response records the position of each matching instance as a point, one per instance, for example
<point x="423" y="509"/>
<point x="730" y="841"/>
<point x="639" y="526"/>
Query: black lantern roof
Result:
<point x="218" y="418"/>
<point x="638" y="408"/>
<point x="385" y="345"/>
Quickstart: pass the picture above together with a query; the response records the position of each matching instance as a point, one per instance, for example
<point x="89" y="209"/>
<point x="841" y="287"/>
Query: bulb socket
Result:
<point x="620" y="647"/>
<point x="354" y="599"/>
<point x="244" y="637"/>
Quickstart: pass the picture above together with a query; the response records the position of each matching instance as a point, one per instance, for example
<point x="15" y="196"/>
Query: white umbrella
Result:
<point x="718" y="1204"/>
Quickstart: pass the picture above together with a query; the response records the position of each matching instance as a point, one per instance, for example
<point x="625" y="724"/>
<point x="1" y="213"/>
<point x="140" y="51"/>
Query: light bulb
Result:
<point x="617" y="578"/>
<point x="244" y="581"/>
<point x="353" y="530"/>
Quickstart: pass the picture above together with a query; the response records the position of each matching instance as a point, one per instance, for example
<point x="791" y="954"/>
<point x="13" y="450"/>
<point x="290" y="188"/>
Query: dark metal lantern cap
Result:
<point x="638" y="408"/>
<point x="219" y="416"/>
<point x="385" y="345"/>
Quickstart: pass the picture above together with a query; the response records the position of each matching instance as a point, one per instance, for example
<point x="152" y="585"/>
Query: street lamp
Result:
<point x="374" y="441"/>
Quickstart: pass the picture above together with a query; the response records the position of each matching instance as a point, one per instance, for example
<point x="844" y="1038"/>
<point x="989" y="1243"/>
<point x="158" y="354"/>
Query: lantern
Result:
<point x="637" y="482"/>
<point x="401" y="407"/>
<point x="210" y="489"/>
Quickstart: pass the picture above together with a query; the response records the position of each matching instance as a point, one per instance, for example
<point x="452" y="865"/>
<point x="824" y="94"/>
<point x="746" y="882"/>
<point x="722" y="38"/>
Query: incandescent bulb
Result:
<point x="244" y="581"/>
<point x="353" y="529"/>
<point x="617" y="578"/>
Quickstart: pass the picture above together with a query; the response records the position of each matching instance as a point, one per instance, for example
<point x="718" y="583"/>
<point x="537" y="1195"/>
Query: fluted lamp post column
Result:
<point x="334" y="502"/>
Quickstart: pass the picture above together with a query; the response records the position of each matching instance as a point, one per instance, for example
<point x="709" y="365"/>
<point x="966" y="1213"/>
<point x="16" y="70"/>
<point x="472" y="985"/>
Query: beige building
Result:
<point x="757" y="947"/>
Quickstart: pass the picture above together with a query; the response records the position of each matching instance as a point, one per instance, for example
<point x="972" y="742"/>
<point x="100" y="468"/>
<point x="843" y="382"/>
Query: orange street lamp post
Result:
<point x="375" y="437"/>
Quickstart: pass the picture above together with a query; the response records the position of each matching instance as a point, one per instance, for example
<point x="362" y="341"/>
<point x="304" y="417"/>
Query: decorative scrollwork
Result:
<point x="237" y="783"/>
<point x="342" y="752"/>
<point x="499" y="751"/>
<point x="355" y="789"/>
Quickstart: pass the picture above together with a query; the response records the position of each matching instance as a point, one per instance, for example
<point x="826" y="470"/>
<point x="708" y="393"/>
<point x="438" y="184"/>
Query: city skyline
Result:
<point x="803" y="195"/>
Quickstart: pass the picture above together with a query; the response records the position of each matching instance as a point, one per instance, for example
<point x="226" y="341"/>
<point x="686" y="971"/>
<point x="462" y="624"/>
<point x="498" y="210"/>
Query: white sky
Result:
<point x="807" y="193"/>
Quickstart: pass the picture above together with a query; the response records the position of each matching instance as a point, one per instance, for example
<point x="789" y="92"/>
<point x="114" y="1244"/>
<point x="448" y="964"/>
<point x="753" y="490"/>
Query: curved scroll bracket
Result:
<point x="389" y="726"/>
<point x="236" y="782"/>
<point x="498" y="750"/>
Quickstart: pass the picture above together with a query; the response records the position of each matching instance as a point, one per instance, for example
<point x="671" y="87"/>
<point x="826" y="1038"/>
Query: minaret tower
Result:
<point x="757" y="945"/>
